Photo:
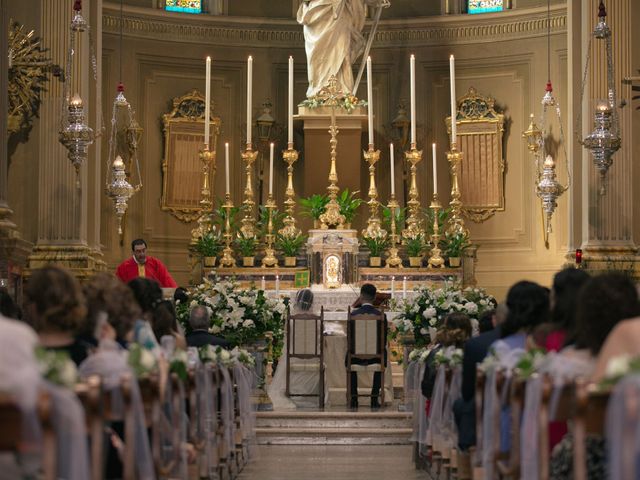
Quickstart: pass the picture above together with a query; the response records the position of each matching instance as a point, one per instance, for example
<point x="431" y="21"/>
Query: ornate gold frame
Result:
<point x="480" y="131"/>
<point x="186" y="118"/>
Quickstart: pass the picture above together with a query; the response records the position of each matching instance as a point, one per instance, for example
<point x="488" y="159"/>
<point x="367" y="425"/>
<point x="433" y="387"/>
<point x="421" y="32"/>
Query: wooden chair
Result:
<point x="365" y="343"/>
<point x="305" y="342"/>
<point x="90" y="395"/>
<point x="12" y="434"/>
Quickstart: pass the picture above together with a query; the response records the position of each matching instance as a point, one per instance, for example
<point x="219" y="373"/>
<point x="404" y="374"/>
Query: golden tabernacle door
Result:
<point x="479" y="137"/>
<point x="183" y="130"/>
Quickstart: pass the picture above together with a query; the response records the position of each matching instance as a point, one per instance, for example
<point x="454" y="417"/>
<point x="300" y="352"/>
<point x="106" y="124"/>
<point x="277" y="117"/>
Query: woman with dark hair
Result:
<point x="528" y="306"/>
<point x="602" y="304"/>
<point x="55" y="307"/>
<point x="164" y="324"/>
<point x="148" y="294"/>
<point x="8" y="307"/>
<point x="561" y="328"/>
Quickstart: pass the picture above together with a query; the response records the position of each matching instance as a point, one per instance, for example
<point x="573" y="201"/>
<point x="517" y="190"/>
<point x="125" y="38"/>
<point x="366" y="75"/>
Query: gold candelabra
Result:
<point x="456" y="222"/>
<point x="208" y="159"/>
<point x="373" y="229"/>
<point x="435" y="259"/>
<point x="270" y="259"/>
<point x="290" y="230"/>
<point x="332" y="215"/>
<point x="393" y="260"/>
<point x="248" y="228"/>
<point x="413" y="221"/>
<point x="227" y="259"/>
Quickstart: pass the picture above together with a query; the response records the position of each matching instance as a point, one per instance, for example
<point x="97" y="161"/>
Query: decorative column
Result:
<point x="606" y="227"/>
<point x="13" y="249"/>
<point x="64" y="200"/>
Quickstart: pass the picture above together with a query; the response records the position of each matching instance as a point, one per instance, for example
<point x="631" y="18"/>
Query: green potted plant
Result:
<point x="400" y="214"/>
<point x="220" y="216"/>
<point x="208" y="246"/>
<point x="290" y="246"/>
<point x="415" y="249"/>
<point x="349" y="205"/>
<point x="313" y="207"/>
<point x="454" y="245"/>
<point x="246" y="247"/>
<point x="376" y="245"/>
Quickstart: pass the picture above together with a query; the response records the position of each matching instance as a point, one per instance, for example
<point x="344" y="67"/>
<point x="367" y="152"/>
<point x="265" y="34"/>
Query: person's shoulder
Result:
<point x="126" y="261"/>
<point x="627" y="329"/>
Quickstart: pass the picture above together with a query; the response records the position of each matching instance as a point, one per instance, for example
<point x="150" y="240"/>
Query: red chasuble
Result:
<point x="153" y="269"/>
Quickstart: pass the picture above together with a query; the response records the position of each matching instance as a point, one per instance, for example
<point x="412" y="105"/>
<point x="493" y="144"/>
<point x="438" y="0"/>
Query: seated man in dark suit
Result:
<point x="200" y="336"/>
<point x="364" y="305"/>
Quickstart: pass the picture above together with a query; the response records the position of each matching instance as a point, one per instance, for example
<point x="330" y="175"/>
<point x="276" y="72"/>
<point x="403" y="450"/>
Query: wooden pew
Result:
<point x="90" y="395"/>
<point x="510" y="467"/>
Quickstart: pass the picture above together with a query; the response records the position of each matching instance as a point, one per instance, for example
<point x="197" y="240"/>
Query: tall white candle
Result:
<point x="452" y="74"/>
<point x="263" y="284"/>
<point x="249" y="100"/>
<point x="290" y="104"/>
<point x="435" y="170"/>
<point x="393" y="175"/>
<point x="226" y="168"/>
<point x="412" y="76"/>
<point x="370" y="101"/>
<point x="393" y="287"/>
<point x="277" y="285"/>
<point x="271" y="168"/>
<point x="404" y="287"/>
<point x="207" y="101"/>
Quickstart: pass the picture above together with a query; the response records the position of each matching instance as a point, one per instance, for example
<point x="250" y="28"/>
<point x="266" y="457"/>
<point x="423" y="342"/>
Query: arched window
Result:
<point x="485" y="6"/>
<point x="186" y="6"/>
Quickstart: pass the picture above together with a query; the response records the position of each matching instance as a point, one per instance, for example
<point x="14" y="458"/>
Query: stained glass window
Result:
<point x="187" y="6"/>
<point x="485" y="6"/>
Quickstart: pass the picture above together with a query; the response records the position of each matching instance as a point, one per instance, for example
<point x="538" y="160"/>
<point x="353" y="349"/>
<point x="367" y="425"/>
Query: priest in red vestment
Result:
<point x="143" y="265"/>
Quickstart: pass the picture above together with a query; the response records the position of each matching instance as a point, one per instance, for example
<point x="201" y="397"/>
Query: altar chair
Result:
<point x="365" y="348"/>
<point x="305" y="342"/>
<point x="12" y="431"/>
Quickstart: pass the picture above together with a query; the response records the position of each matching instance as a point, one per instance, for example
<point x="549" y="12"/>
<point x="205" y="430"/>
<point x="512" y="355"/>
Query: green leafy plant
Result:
<point x="415" y="245"/>
<point x="400" y="214"/>
<point x="220" y="216"/>
<point x="209" y="244"/>
<point x="454" y="244"/>
<point x="349" y="204"/>
<point x="277" y="219"/>
<point x="246" y="246"/>
<point x="443" y="217"/>
<point x="376" y="245"/>
<point x="313" y="206"/>
<point x="290" y="246"/>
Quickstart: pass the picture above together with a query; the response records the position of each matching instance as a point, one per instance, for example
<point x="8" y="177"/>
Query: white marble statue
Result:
<point x="333" y="39"/>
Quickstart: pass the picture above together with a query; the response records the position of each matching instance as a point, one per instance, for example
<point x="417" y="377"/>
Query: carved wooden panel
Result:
<point x="183" y="130"/>
<point x="479" y="137"/>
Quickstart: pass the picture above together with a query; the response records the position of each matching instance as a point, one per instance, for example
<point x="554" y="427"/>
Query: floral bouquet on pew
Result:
<point x="449" y="356"/>
<point x="242" y="317"/>
<point x="423" y="315"/>
<point x="222" y="356"/>
<point x="57" y="367"/>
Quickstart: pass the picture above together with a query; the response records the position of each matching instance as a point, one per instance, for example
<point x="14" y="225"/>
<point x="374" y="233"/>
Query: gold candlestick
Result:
<point x="414" y="227"/>
<point x="248" y="228"/>
<point x="332" y="215"/>
<point x="373" y="229"/>
<point x="435" y="259"/>
<point x="393" y="260"/>
<point x="270" y="259"/>
<point x="227" y="259"/>
<point x="290" y="156"/>
<point x="456" y="222"/>
<point x="208" y="159"/>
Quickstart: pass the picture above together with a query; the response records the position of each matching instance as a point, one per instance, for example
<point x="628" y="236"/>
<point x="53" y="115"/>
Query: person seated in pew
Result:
<point x="473" y="353"/>
<point x="199" y="335"/>
<point x="165" y="324"/>
<point x="113" y="311"/>
<point x="56" y="308"/>
<point x="604" y="303"/>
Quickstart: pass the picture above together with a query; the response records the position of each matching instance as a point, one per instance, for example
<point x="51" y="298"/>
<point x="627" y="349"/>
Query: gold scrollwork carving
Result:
<point x="480" y="131"/>
<point x="183" y="130"/>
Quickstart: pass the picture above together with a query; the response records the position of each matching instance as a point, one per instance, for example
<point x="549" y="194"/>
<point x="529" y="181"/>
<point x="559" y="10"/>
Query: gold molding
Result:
<point x="242" y="31"/>
<point x="187" y="111"/>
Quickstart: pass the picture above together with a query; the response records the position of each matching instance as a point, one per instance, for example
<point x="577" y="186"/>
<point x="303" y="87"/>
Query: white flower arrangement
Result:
<point x="222" y="356"/>
<point x="57" y="367"/>
<point x="450" y="356"/>
<point x="432" y="304"/>
<point x="619" y="367"/>
<point x="419" y="355"/>
<point x="141" y="360"/>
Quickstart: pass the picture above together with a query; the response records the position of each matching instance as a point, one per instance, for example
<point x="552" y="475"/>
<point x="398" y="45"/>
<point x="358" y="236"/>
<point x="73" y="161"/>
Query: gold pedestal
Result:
<point x="456" y="222"/>
<point x="414" y="227"/>
<point x="393" y="260"/>
<point x="204" y="220"/>
<point x="435" y="259"/>
<point x="332" y="216"/>
<point x="290" y="229"/>
<point x="270" y="259"/>
<point x="227" y="259"/>
<point x="373" y="229"/>
<point x="248" y="228"/>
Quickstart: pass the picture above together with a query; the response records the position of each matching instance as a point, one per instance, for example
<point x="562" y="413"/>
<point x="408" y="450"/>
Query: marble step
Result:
<point x="333" y="436"/>
<point x="350" y="420"/>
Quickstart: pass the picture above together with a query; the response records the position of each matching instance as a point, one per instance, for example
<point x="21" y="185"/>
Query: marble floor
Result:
<point x="332" y="462"/>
